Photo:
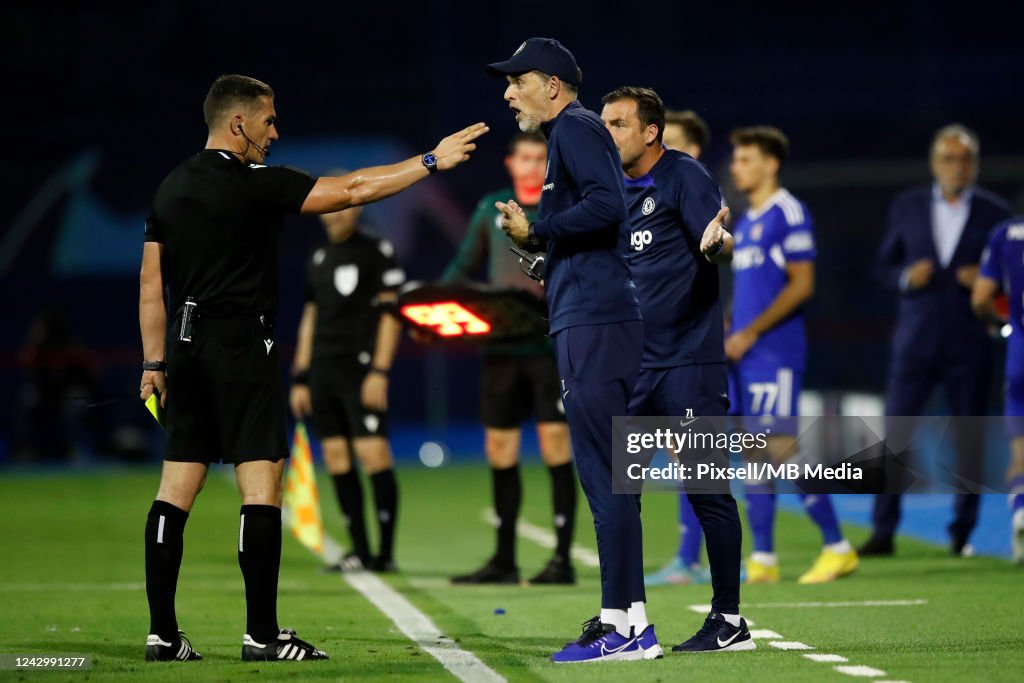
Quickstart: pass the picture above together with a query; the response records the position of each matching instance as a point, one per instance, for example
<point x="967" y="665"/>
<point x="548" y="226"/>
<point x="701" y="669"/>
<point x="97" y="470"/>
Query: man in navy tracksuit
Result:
<point x="595" y="321"/>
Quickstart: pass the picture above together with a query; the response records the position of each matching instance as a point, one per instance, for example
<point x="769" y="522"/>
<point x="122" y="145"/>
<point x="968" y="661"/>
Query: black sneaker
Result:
<point x="959" y="545"/>
<point x="492" y="572"/>
<point x="718" y="635"/>
<point x="350" y="562"/>
<point x="158" y="650"/>
<point x="380" y="565"/>
<point x="286" y="647"/>
<point x="557" y="571"/>
<point x="877" y="546"/>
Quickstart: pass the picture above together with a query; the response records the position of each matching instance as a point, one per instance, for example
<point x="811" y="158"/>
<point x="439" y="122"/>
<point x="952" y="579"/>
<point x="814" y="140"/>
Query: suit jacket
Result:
<point x="936" y="323"/>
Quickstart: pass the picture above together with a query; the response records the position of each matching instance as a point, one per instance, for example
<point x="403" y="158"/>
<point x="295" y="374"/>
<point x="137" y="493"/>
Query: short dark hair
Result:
<point x="695" y="128"/>
<point x="771" y="141"/>
<point x="531" y="136"/>
<point x="231" y="90"/>
<point x="573" y="89"/>
<point x="649" y="107"/>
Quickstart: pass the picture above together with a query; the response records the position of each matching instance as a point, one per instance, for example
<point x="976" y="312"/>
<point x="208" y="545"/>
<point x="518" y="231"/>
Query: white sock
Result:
<point x="733" y="619"/>
<point x="638" y="617"/>
<point x="841" y="547"/>
<point x="767" y="559"/>
<point x="618" y="618"/>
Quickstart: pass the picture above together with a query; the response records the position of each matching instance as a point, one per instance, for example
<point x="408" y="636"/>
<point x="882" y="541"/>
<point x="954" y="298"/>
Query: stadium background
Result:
<point x="102" y="101"/>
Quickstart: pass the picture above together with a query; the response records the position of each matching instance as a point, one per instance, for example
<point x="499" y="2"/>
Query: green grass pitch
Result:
<point x="71" y="581"/>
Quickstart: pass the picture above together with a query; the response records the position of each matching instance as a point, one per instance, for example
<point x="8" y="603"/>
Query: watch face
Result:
<point x="429" y="160"/>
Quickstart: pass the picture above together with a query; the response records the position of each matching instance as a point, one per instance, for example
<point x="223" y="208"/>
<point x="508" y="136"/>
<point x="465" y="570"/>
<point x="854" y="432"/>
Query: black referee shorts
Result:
<point x="336" y="386"/>
<point x="225" y="397"/>
<point x="515" y="387"/>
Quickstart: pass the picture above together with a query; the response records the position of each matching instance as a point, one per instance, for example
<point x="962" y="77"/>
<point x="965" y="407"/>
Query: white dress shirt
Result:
<point x="948" y="221"/>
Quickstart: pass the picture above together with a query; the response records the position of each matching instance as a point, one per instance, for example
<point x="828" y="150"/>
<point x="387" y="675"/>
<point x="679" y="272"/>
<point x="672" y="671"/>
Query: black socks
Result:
<point x="350" y="498"/>
<point x="563" y="497"/>
<point x="385" y="497"/>
<point x="508" y="495"/>
<point x="165" y="530"/>
<point x="259" y="556"/>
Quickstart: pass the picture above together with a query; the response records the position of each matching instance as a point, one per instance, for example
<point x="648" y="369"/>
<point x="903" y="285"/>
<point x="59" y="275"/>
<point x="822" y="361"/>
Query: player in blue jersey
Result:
<point x="773" y="268"/>
<point x="1002" y="270"/>
<point x="677" y="242"/>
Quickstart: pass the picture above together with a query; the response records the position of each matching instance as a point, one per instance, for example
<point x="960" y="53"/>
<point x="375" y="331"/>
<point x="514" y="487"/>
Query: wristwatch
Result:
<point x="154" y="365"/>
<point x="430" y="162"/>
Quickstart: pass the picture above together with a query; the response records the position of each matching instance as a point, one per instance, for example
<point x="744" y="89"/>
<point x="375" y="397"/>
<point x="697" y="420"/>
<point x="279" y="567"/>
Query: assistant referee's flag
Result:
<point x="300" y="495"/>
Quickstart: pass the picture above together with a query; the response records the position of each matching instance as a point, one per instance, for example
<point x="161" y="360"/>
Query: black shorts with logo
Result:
<point x="336" y="385"/>
<point x="225" y="397"/>
<point x="514" y="387"/>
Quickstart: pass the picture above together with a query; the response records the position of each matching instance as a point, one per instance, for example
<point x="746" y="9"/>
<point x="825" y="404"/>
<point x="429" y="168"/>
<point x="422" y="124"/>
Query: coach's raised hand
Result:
<point x="455" y="148"/>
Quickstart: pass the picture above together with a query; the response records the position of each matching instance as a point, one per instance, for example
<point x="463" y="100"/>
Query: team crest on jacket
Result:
<point x="648" y="206"/>
<point x="346" y="278"/>
<point x="755" y="232"/>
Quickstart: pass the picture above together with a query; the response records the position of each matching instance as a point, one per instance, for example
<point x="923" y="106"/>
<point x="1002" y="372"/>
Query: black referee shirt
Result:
<point x="344" y="280"/>
<point x="219" y="221"/>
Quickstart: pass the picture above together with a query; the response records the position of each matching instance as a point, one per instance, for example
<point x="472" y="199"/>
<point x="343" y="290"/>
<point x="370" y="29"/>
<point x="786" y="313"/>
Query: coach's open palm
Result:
<point x="455" y="148"/>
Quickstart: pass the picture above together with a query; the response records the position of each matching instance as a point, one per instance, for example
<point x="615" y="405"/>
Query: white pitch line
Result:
<point x="835" y="659"/>
<point x="418" y="628"/>
<point x="859" y="670"/>
<point x="789" y="645"/>
<point x="112" y="586"/>
<point x="762" y="633"/>
<point x="545" y="539"/>
<point x="855" y="603"/>
<point x="416" y="625"/>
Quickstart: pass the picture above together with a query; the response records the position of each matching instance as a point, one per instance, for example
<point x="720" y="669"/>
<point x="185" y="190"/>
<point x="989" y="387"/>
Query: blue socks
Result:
<point x="1016" y="493"/>
<point x="819" y="508"/>
<point x="690" y="533"/>
<point x="761" y="514"/>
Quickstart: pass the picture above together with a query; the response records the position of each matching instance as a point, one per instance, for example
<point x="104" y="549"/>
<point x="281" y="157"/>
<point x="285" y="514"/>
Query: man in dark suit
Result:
<point x="930" y="254"/>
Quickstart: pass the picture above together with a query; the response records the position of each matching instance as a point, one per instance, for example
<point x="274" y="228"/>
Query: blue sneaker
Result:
<point x="718" y="635"/>
<point x="676" y="573"/>
<point x="648" y="642"/>
<point x="599" y="643"/>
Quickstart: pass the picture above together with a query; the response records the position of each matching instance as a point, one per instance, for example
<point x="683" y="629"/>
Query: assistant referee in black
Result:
<point x="212" y="241"/>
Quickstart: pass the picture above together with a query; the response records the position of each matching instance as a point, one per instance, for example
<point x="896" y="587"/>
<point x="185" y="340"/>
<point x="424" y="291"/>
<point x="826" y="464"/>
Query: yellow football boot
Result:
<point x="758" y="572"/>
<point x="830" y="566"/>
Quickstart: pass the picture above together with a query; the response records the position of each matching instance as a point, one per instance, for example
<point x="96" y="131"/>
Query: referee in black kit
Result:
<point x="212" y="238"/>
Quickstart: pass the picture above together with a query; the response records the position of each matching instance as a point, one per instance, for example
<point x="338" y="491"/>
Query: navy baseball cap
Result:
<point x="541" y="54"/>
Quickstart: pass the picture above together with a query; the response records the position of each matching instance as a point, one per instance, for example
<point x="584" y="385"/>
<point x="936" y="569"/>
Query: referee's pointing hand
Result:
<point x="455" y="148"/>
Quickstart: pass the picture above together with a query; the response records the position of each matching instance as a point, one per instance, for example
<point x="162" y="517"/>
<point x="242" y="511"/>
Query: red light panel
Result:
<point x="446" y="318"/>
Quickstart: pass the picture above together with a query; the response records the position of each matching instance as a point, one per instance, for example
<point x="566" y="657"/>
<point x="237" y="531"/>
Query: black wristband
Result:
<point x="717" y="250"/>
<point x="154" y="365"/>
<point x="379" y="371"/>
<point x="301" y="377"/>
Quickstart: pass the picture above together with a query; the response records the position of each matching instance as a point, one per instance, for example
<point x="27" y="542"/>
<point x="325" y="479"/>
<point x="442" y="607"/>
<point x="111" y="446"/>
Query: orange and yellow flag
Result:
<point x="300" y="495"/>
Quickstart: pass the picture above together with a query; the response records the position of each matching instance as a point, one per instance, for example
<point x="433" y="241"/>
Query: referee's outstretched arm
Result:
<point x="369" y="185"/>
